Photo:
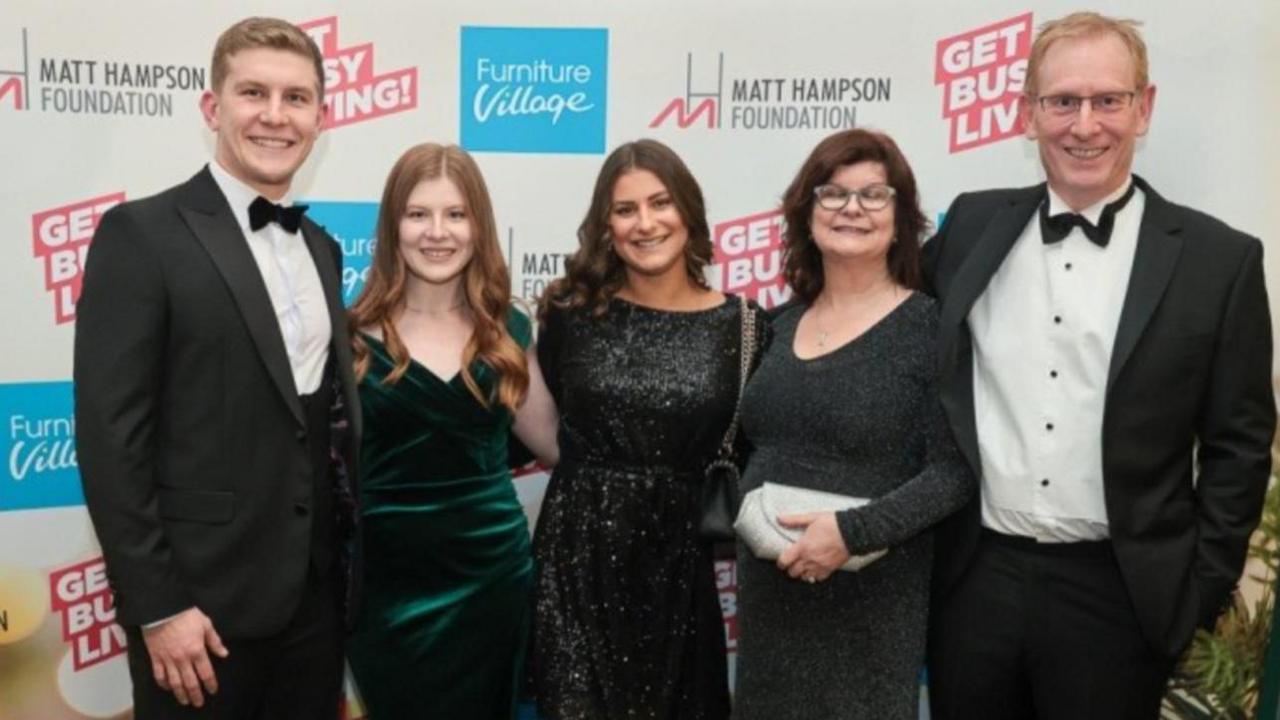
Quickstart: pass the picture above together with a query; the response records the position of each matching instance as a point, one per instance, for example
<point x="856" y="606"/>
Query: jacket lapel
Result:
<point x="988" y="252"/>
<point x="971" y="279"/>
<point x="206" y="212"/>
<point x="1159" y="245"/>
<point x="322" y="253"/>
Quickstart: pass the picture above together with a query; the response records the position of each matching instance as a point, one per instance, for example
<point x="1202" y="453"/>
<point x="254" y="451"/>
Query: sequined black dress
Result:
<point x="627" y="619"/>
<point x="865" y="420"/>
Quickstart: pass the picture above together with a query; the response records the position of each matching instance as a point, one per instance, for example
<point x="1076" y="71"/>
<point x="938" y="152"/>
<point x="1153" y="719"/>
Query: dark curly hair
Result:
<point x="593" y="274"/>
<point x="802" y="266"/>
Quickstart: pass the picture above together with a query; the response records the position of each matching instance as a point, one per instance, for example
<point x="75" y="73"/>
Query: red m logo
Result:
<point x="12" y="86"/>
<point x="706" y="107"/>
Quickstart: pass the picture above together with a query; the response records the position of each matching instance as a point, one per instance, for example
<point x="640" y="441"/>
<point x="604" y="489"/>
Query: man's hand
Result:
<point x="179" y="659"/>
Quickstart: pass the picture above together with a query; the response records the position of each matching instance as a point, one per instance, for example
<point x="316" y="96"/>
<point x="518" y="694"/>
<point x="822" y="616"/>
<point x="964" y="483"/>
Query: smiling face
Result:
<point x="436" y="232"/>
<point x="647" y="231"/>
<point x="1088" y="155"/>
<point x="267" y="114"/>
<point x="852" y="232"/>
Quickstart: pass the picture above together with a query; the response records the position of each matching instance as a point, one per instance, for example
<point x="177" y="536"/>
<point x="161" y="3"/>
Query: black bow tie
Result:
<point x="1054" y="229"/>
<point x="263" y="211"/>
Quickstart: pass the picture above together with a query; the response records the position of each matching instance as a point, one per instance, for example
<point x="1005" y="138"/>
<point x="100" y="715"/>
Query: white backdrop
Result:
<point x="98" y="103"/>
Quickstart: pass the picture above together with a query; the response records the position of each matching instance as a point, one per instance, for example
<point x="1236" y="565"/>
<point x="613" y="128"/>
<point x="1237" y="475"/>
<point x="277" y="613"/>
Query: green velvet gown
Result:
<point x="447" y="567"/>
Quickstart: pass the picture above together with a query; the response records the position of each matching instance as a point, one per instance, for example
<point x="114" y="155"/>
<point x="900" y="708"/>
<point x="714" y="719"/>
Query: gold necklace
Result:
<point x="822" y="331"/>
<point x="823" y="334"/>
<point x="422" y="311"/>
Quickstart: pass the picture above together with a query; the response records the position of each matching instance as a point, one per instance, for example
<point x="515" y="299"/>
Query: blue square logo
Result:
<point x="354" y="226"/>
<point x="534" y="90"/>
<point x="39" y="447"/>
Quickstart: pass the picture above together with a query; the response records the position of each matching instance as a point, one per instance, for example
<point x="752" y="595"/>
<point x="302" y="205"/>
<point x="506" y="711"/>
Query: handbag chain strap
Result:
<point x="744" y="369"/>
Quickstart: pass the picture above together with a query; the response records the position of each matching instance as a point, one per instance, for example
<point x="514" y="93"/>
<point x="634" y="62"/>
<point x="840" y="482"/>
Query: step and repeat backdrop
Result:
<point x="98" y="105"/>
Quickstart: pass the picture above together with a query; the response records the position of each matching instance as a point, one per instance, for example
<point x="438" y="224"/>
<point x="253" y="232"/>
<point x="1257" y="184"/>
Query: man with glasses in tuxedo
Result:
<point x="1106" y="368"/>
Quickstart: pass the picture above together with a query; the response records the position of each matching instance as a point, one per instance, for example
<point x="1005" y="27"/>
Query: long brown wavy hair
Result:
<point x="594" y="273"/>
<point x="486" y="282"/>
<point x="802" y="265"/>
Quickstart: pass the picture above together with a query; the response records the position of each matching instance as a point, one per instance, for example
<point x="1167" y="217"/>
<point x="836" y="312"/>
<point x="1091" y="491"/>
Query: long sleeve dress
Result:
<point x="863" y="420"/>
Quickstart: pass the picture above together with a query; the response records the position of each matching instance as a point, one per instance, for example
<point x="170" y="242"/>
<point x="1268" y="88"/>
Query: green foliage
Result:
<point x="1220" y="676"/>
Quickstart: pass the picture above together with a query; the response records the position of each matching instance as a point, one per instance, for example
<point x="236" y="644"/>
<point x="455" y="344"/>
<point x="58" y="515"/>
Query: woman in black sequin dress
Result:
<point x="642" y="359"/>
<point x="846" y="401"/>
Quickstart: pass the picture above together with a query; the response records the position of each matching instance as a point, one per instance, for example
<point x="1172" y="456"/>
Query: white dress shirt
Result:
<point x="292" y="281"/>
<point x="1042" y="336"/>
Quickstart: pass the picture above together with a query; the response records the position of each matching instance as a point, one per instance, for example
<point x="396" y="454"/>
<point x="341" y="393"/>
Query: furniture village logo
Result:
<point x="353" y="225"/>
<point x="39" y="447"/>
<point x="534" y="90"/>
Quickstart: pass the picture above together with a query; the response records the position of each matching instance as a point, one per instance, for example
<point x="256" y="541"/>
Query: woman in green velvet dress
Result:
<point x="446" y="368"/>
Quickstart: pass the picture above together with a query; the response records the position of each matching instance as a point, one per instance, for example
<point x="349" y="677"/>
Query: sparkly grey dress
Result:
<point x="863" y="420"/>
<point x="627" y="619"/>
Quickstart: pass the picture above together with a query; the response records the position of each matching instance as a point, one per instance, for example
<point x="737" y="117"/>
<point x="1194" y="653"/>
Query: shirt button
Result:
<point x="1067" y="266"/>
<point x="1053" y="373"/>
<point x="1057" y="319"/>
<point x="1044" y="482"/>
<point x="300" y="509"/>
<point x="1048" y="426"/>
<point x="301" y="435"/>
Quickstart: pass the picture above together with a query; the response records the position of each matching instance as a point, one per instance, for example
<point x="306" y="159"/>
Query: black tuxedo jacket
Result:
<point x="190" y="433"/>
<point x="1189" y="416"/>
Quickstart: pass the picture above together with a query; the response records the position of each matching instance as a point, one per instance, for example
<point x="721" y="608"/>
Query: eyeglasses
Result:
<point x="1065" y="106"/>
<point x="871" y="197"/>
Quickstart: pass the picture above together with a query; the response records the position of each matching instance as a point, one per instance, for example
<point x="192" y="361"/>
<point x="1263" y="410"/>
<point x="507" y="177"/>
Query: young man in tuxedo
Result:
<point x="216" y="409"/>
<point x="1106" y="367"/>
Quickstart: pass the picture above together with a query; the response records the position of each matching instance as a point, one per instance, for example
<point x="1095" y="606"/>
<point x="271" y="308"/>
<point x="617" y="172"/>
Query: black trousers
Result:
<point x="1043" y="631"/>
<point x="296" y="673"/>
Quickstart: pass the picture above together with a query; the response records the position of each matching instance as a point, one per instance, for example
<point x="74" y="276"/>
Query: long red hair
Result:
<point x="486" y="282"/>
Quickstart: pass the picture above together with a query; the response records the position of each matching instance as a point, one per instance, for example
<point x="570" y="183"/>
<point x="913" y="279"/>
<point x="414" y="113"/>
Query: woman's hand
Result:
<point x="819" y="552"/>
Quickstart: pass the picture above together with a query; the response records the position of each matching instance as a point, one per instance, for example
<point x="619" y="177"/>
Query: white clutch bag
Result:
<point x="757" y="523"/>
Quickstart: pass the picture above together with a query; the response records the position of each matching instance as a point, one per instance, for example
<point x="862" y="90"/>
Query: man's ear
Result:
<point x="1146" y="104"/>
<point x="1026" y="111"/>
<point x="209" y="109"/>
<point x="322" y="123"/>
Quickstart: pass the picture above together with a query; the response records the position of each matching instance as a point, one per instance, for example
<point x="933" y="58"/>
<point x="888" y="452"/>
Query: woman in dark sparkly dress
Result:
<point x="642" y="359"/>
<point x="846" y="401"/>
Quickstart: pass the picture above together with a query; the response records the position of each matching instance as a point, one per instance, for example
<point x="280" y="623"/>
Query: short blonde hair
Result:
<point x="260" y="32"/>
<point x="1088" y="24"/>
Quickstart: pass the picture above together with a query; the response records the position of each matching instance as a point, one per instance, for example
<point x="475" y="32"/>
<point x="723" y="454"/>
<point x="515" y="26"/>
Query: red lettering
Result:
<point x="983" y="73"/>
<point x="102" y="643"/>
<point x="352" y="92"/>
<point x="51" y="229"/>
<point x="324" y="31"/>
<point x="997" y="43"/>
